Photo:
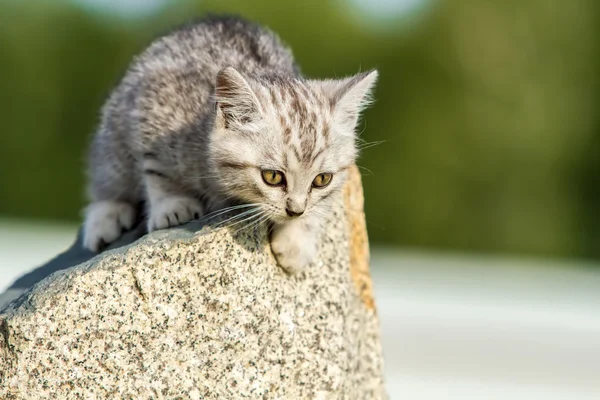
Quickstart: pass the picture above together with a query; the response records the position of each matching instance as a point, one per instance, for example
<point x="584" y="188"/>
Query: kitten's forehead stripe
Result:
<point x="297" y="153"/>
<point x="310" y="97"/>
<point x="287" y="135"/>
<point x="274" y="98"/>
<point x="303" y="115"/>
<point x="318" y="154"/>
<point x="325" y="133"/>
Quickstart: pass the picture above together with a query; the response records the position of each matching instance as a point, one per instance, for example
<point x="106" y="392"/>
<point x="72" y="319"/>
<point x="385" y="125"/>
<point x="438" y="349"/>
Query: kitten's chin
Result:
<point x="282" y="219"/>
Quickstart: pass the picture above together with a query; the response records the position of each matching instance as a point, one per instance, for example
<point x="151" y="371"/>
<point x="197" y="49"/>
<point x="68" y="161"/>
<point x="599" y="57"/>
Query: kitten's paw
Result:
<point x="105" y="221"/>
<point x="173" y="211"/>
<point x="293" y="253"/>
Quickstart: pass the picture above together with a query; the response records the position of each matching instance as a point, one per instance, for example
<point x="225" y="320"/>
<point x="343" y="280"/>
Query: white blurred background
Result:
<point x="453" y="327"/>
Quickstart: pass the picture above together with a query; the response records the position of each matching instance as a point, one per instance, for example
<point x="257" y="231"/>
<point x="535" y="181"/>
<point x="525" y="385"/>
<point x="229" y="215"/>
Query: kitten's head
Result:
<point x="286" y="143"/>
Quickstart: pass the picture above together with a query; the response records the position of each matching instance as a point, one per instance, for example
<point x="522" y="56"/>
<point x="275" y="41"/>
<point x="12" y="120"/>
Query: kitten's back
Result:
<point x="211" y="44"/>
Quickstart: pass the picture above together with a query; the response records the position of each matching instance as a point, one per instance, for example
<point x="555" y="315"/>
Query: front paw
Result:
<point x="105" y="221"/>
<point x="293" y="254"/>
<point x="173" y="211"/>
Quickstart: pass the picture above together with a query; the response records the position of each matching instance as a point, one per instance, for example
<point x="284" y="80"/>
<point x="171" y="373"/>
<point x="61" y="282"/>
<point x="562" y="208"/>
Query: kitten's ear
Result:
<point x="349" y="97"/>
<point x="235" y="99"/>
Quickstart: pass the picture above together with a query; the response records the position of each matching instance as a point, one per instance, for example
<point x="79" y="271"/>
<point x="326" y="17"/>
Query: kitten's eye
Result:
<point x="272" y="177"/>
<point x="322" y="180"/>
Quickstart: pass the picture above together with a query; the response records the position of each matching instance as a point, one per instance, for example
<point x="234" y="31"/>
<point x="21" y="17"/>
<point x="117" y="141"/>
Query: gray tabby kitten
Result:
<point x="216" y="114"/>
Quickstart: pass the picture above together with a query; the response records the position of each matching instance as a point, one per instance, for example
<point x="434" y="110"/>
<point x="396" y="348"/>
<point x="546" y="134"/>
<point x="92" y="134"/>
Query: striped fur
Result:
<point x="200" y="114"/>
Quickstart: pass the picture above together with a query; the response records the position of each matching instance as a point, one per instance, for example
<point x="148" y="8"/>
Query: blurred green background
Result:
<point x="488" y="108"/>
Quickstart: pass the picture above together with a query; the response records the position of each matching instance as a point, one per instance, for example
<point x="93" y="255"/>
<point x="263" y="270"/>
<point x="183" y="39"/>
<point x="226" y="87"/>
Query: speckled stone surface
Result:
<point x="201" y="315"/>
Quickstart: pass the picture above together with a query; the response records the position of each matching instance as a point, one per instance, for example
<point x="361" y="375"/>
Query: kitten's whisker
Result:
<point x="330" y="205"/>
<point x="236" y="217"/>
<point x="264" y="219"/>
<point x="337" y="207"/>
<point x="365" y="169"/>
<point x="224" y="199"/>
<point x="334" y="208"/>
<point x="319" y="211"/>
<point x="255" y="223"/>
<point x="247" y="219"/>
<point x="321" y="215"/>
<point x="235" y="207"/>
<point x="366" y="145"/>
<point x="362" y="142"/>
<point x="226" y="210"/>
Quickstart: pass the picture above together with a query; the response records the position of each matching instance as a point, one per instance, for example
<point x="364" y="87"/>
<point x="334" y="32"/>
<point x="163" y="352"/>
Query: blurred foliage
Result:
<point x="488" y="109"/>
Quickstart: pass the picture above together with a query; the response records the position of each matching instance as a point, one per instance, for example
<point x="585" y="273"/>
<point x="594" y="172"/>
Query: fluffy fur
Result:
<point x="199" y="116"/>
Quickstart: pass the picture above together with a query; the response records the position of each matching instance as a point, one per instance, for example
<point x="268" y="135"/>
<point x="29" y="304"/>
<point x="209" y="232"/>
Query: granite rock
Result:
<point x="208" y="314"/>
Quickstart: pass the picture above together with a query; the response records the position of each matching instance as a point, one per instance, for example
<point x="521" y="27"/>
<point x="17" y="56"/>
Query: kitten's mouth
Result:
<point x="293" y="214"/>
<point x="282" y="218"/>
<point x="288" y="217"/>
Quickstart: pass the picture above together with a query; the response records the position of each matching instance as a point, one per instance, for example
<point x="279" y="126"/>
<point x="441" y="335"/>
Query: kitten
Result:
<point x="216" y="114"/>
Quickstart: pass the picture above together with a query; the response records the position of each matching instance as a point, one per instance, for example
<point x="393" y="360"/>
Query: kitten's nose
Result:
<point x="295" y="206"/>
<point x="292" y="213"/>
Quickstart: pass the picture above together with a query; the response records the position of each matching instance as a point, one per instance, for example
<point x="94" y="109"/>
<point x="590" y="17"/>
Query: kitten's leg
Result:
<point x="295" y="243"/>
<point x="113" y="189"/>
<point x="168" y="206"/>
